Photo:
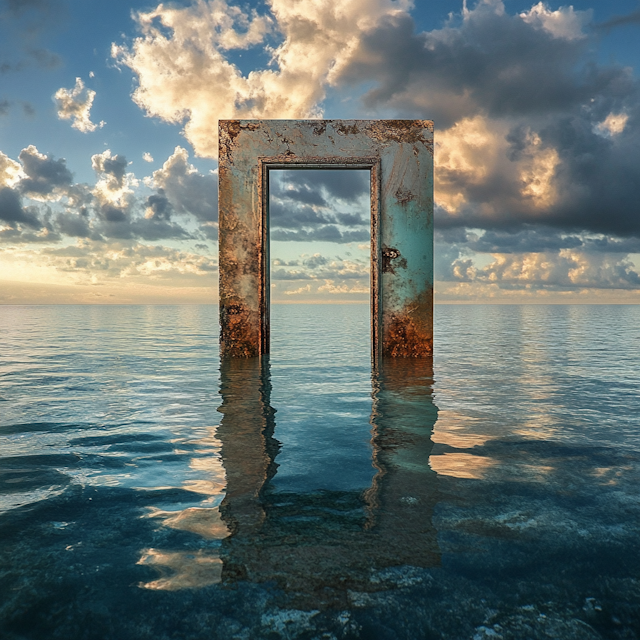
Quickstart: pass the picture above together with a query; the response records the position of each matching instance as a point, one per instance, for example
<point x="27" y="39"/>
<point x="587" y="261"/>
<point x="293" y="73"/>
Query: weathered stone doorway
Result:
<point x="399" y="157"/>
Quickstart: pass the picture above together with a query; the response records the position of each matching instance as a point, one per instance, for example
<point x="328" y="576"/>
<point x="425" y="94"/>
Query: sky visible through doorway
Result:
<point x="320" y="235"/>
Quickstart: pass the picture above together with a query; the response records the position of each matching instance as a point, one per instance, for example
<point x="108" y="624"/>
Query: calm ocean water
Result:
<point x="149" y="492"/>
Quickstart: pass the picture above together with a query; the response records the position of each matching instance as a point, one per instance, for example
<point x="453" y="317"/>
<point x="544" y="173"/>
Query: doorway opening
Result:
<point x="320" y="254"/>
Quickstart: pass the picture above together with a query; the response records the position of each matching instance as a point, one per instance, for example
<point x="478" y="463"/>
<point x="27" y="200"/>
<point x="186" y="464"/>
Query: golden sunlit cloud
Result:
<point x="187" y="77"/>
<point x="114" y="186"/>
<point x="465" y="155"/>
<point x="75" y="104"/>
<point x="10" y="171"/>
<point x="613" y="124"/>
<point x="295" y="292"/>
<point x="330" y="287"/>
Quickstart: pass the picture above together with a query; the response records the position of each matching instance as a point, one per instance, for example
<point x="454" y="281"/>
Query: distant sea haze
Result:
<point x="148" y="490"/>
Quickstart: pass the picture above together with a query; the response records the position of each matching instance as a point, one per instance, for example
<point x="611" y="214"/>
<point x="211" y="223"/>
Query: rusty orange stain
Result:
<point x="408" y="333"/>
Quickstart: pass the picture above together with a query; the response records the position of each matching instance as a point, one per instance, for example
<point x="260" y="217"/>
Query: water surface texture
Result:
<point x="148" y="491"/>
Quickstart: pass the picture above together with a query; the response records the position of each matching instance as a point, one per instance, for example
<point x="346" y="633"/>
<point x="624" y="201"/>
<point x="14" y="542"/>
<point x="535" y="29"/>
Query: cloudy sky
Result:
<point x="108" y="121"/>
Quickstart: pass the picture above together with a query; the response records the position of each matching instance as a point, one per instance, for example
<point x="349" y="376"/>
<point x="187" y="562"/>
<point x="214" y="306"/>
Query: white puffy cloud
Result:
<point x="566" y="269"/>
<point x="524" y="131"/>
<point x="10" y="171"/>
<point x="296" y="292"/>
<point x="476" y="165"/>
<point x="184" y="74"/>
<point x="75" y="104"/>
<point x="518" y="80"/>
<point x="40" y="178"/>
<point x="13" y="216"/>
<point x="113" y="191"/>
<point x="111" y="169"/>
<point x="38" y="193"/>
<point x="537" y="259"/>
<point x="314" y="276"/>
<point x="330" y="286"/>
<point x="564" y="22"/>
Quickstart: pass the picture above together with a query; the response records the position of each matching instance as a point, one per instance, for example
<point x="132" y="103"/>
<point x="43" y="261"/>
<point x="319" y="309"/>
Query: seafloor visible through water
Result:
<point x="149" y="492"/>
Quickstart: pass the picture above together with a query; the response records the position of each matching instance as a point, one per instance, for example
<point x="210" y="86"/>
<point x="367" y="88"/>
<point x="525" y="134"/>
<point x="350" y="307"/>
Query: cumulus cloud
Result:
<point x="531" y="239"/>
<point x="75" y="224"/>
<point x="158" y="207"/>
<point x="113" y="193"/>
<point x="10" y="171"/>
<point x="123" y="214"/>
<point x="75" y="104"/>
<point x="36" y="177"/>
<point x="45" y="177"/>
<point x="487" y="62"/>
<point x="294" y="292"/>
<point x="331" y="287"/>
<point x="278" y="262"/>
<point x="38" y="193"/>
<point x="315" y="261"/>
<point x="12" y="211"/>
<point x="184" y="73"/>
<point x="320" y="187"/>
<point x="522" y="113"/>
<point x="186" y="189"/>
<point x="113" y="190"/>
<point x="327" y="206"/>
<point x="613" y="124"/>
<point x="112" y="169"/>
<point x="533" y="259"/>
<point x="564" y="270"/>
<point x="564" y="22"/>
<point x="531" y="131"/>
<point x="319" y="274"/>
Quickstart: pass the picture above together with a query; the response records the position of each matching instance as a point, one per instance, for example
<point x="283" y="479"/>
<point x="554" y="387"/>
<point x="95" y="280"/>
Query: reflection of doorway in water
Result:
<point x="320" y="242"/>
<point x="328" y="547"/>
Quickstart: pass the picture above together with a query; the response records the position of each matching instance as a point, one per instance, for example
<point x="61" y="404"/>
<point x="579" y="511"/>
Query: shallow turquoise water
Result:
<point x="148" y="492"/>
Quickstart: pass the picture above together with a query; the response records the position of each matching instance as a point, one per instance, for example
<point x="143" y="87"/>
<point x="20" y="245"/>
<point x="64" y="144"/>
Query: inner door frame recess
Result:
<point x="399" y="157"/>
